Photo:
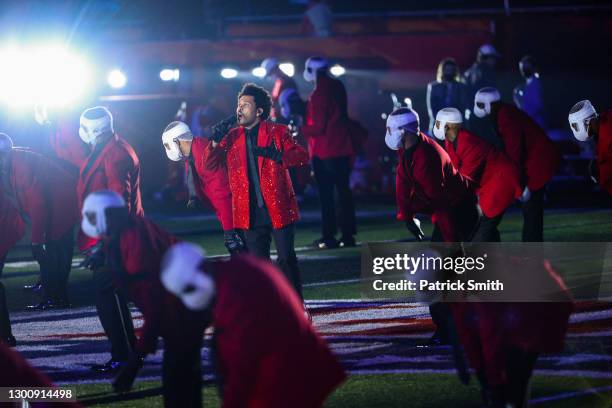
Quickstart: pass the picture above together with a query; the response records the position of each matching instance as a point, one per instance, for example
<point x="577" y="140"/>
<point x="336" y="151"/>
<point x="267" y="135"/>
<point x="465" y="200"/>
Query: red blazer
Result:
<point x="45" y="193"/>
<point x="495" y="178"/>
<point x="212" y="184"/>
<point x="276" y="187"/>
<point x="11" y="225"/>
<point x="141" y="247"/>
<point x="430" y="184"/>
<point x="604" y="151"/>
<point x="488" y="331"/>
<point x="269" y="353"/>
<point x="67" y="145"/>
<point x="528" y="146"/>
<point x="327" y="125"/>
<point x="116" y="168"/>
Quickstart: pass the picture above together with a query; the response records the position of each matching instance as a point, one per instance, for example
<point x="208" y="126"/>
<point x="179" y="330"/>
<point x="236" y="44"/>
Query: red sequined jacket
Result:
<point x="276" y="186"/>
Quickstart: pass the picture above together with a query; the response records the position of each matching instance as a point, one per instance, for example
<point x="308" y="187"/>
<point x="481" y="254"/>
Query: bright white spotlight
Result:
<point x="48" y="74"/>
<point x="287" y="68"/>
<point x="229" y="73"/>
<point x="168" y="74"/>
<point x="116" y="79"/>
<point x="337" y="70"/>
<point x="259" y="72"/>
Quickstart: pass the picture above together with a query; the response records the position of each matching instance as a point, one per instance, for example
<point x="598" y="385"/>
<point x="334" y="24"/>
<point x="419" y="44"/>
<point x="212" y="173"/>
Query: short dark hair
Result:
<point x="262" y="98"/>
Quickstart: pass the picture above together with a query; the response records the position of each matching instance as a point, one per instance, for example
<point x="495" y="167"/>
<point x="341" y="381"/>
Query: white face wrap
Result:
<point x="580" y="118"/>
<point x="312" y="65"/>
<point x="444" y="116"/>
<point x="174" y="132"/>
<point x="181" y="276"/>
<point x="95" y="206"/>
<point x="398" y="124"/>
<point x="485" y="96"/>
<point x="90" y="129"/>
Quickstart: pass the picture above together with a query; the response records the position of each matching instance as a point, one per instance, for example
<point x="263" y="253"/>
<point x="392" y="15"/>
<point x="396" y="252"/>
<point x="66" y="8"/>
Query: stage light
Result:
<point x="287" y="68"/>
<point x="229" y="73"/>
<point x="116" y="79"/>
<point x="168" y="74"/>
<point x="337" y="70"/>
<point x="259" y="72"/>
<point x="45" y="74"/>
<point x="408" y="102"/>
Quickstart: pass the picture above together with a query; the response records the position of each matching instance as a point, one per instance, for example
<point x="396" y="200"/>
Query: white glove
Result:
<point x="525" y="196"/>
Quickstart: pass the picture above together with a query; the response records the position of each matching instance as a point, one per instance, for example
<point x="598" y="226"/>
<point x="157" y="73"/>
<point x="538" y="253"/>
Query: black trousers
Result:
<point x="114" y="315"/>
<point x="55" y="268"/>
<point x="487" y="230"/>
<point x="182" y="363"/>
<point x="5" y="322"/>
<point x="333" y="175"/>
<point x="258" y="241"/>
<point x="533" y="217"/>
<point x="466" y="218"/>
<point x="519" y="368"/>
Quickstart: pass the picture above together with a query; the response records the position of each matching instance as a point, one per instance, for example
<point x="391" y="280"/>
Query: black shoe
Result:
<point x="347" y="242"/>
<point x="49" y="305"/>
<point x="35" y="287"/>
<point x="9" y="341"/>
<point x="111" y="366"/>
<point x="323" y="243"/>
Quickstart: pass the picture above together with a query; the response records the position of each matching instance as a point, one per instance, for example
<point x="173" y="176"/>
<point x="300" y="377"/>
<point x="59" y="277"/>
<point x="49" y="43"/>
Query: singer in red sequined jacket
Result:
<point x="276" y="186"/>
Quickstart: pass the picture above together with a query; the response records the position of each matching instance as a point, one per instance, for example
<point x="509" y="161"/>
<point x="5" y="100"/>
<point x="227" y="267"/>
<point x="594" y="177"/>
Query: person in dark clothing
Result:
<point x="447" y="91"/>
<point x="482" y="74"/>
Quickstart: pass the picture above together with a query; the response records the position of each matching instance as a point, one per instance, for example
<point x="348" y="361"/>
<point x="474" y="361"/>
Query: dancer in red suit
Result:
<point x="502" y="340"/>
<point x="111" y="165"/>
<point x="258" y="154"/>
<point x="43" y="192"/>
<point x="210" y="184"/>
<point x="327" y="128"/>
<point x="13" y="229"/>
<point x="267" y="352"/>
<point x="587" y="125"/>
<point x="528" y="146"/>
<point x="427" y="182"/>
<point x="493" y="176"/>
<point x="64" y="141"/>
<point x="134" y="247"/>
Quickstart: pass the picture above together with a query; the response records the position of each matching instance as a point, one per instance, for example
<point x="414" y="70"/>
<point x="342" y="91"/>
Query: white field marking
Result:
<point x="330" y="283"/>
<point x="606" y="333"/>
<point x="565" y="395"/>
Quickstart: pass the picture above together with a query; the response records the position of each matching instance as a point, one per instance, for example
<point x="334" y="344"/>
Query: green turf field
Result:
<point x="379" y="391"/>
<point x="320" y="269"/>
